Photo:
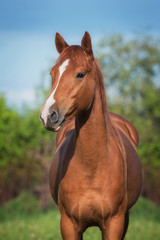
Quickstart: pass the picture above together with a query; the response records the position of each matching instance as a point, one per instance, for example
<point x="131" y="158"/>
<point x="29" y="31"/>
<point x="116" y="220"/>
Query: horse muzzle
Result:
<point x="53" y="120"/>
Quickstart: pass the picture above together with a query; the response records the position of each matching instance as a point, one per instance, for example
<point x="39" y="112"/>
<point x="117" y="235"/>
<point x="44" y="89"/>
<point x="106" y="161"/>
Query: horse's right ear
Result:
<point x="60" y="43"/>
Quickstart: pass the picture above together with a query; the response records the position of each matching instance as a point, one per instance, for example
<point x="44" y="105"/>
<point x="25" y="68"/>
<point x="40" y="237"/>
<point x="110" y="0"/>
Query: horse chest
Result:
<point x="89" y="200"/>
<point x="85" y="206"/>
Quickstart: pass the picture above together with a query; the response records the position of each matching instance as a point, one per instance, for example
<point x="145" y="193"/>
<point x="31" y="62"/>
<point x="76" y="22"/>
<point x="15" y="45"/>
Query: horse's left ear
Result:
<point x="60" y="43"/>
<point x="86" y="43"/>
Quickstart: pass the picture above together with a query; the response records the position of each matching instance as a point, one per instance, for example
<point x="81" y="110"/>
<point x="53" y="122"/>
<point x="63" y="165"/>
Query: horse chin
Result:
<point x="52" y="129"/>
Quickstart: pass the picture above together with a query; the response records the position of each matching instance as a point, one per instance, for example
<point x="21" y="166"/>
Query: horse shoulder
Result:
<point x="62" y="157"/>
<point x="126" y="127"/>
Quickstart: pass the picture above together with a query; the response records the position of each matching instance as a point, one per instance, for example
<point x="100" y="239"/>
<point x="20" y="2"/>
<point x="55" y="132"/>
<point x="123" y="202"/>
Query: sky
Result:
<point x="28" y="27"/>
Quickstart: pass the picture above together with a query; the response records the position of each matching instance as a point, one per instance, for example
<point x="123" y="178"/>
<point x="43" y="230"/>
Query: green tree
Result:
<point x="25" y="147"/>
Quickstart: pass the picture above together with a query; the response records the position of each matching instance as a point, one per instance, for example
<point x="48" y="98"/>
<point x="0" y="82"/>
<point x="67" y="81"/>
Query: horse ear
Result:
<point x="60" y="43"/>
<point x="86" y="43"/>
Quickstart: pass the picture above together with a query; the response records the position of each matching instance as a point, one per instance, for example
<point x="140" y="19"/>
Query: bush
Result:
<point x="25" y="147"/>
<point x="25" y="204"/>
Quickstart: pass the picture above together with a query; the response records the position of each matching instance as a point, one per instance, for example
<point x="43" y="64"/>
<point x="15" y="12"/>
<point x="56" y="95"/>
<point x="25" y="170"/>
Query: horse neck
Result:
<point x="92" y="129"/>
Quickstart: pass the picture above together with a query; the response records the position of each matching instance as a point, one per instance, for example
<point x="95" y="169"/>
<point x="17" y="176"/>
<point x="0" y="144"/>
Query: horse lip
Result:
<point x="56" y="130"/>
<point x="60" y="125"/>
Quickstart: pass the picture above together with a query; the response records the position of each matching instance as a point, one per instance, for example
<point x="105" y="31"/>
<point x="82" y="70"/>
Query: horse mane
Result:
<point x="111" y="130"/>
<point x="100" y="80"/>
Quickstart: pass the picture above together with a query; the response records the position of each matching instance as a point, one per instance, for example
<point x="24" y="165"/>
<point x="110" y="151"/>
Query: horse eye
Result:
<point x="80" y="75"/>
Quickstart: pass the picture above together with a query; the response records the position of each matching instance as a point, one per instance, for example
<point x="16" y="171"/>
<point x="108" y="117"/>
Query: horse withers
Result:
<point x="95" y="176"/>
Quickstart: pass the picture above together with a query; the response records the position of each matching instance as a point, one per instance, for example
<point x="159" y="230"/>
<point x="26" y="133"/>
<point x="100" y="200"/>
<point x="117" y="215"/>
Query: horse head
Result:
<point x="73" y="84"/>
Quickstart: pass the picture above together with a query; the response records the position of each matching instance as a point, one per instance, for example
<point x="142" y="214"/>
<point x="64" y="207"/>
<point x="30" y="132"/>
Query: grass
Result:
<point x="144" y="224"/>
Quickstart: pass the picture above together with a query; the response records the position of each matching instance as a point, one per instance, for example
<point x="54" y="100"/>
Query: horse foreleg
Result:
<point x="68" y="230"/>
<point x="114" y="228"/>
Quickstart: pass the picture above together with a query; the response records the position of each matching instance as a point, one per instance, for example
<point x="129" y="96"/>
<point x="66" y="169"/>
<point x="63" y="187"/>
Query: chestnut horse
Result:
<point x="95" y="176"/>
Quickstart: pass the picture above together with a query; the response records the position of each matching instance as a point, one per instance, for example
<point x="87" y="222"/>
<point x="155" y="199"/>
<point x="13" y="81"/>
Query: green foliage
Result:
<point x="9" y="151"/>
<point x="25" y="147"/>
<point x="144" y="224"/>
<point x="36" y="227"/>
<point x="146" y="209"/>
<point x="131" y="71"/>
<point x="24" y="205"/>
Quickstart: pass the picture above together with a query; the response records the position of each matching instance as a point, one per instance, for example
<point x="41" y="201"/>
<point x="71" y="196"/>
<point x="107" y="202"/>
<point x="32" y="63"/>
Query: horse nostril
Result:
<point x="54" y="117"/>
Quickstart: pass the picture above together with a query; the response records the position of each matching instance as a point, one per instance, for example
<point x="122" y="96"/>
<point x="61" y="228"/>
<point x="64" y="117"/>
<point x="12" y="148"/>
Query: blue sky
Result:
<point x="27" y="29"/>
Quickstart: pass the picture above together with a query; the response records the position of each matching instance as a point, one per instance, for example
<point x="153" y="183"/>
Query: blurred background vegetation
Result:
<point x="131" y="69"/>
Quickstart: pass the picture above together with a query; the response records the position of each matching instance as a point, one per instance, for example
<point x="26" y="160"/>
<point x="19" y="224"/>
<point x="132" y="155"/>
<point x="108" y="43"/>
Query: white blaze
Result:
<point x="50" y="101"/>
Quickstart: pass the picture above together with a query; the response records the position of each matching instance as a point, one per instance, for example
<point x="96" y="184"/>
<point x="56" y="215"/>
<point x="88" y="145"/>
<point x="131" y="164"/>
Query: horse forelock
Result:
<point x="76" y="54"/>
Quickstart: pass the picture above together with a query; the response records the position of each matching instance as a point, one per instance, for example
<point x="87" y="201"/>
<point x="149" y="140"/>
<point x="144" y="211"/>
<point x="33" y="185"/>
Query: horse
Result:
<point x="95" y="176"/>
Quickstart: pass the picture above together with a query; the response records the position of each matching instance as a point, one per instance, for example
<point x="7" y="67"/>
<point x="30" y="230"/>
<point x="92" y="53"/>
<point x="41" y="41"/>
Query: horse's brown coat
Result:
<point x="95" y="176"/>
